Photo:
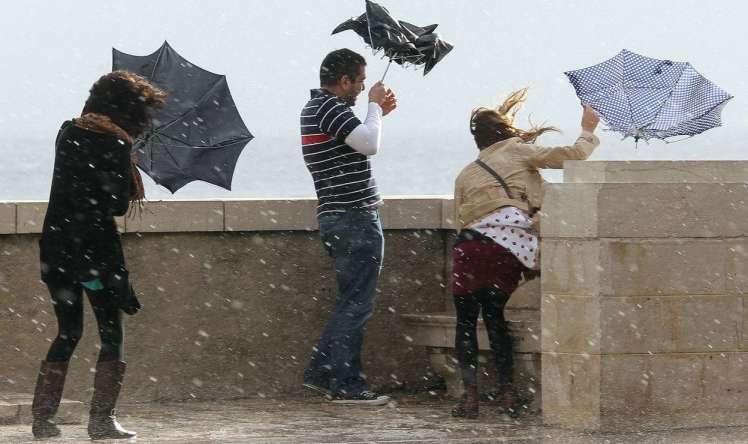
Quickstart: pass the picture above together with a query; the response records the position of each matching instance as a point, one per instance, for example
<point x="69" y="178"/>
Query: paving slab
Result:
<point x="410" y="419"/>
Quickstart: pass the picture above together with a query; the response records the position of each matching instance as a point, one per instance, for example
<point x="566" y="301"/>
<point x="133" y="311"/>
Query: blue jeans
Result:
<point x="355" y="241"/>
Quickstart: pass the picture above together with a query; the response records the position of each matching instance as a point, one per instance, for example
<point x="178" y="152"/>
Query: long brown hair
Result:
<point x="128" y="100"/>
<point x="491" y="125"/>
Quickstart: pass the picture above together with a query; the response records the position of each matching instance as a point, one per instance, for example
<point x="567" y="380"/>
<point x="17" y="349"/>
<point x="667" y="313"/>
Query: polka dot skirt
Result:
<point x="511" y="228"/>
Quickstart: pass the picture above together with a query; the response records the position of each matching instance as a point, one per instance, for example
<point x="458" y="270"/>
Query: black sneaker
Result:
<point x="363" y="398"/>
<point x="318" y="388"/>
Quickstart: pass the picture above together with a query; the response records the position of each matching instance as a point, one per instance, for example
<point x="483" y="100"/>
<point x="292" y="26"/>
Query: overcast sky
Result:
<point x="52" y="51"/>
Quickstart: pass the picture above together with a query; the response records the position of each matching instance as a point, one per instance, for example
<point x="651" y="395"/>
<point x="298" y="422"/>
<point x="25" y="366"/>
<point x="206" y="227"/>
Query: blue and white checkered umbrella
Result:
<point x="646" y="98"/>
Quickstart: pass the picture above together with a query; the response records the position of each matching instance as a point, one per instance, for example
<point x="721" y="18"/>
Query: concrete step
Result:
<point x="15" y="408"/>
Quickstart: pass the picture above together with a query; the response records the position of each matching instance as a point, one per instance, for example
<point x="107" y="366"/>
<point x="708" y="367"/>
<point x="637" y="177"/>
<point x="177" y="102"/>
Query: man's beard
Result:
<point x="350" y="98"/>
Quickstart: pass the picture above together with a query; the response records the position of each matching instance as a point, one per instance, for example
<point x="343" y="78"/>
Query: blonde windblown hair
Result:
<point x="491" y="125"/>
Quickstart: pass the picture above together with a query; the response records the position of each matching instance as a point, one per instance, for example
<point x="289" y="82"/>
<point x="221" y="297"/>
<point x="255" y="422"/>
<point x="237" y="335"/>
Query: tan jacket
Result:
<point x="478" y="193"/>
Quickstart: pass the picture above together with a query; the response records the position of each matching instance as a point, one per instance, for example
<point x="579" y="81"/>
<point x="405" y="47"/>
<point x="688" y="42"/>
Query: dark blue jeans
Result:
<point x="355" y="241"/>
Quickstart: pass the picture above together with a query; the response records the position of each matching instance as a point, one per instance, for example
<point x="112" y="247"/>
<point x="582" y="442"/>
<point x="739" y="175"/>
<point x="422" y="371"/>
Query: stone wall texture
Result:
<point x="643" y="295"/>
<point x="235" y="294"/>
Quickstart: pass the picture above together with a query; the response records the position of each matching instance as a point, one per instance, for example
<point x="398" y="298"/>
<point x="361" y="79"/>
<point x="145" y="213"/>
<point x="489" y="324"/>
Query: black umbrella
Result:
<point x="400" y="41"/>
<point x="198" y="134"/>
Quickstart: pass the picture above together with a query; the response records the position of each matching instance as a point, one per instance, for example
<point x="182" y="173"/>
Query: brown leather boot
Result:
<point x="102" y="423"/>
<point x="47" y="396"/>
<point x="468" y="405"/>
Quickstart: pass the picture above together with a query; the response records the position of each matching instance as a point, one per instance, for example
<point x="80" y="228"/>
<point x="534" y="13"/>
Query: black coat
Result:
<point x="91" y="184"/>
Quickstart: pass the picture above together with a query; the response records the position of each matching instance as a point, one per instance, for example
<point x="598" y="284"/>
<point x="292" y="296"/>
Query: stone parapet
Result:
<point x="189" y="216"/>
<point x="235" y="294"/>
<point x="642" y="310"/>
<point x="656" y="171"/>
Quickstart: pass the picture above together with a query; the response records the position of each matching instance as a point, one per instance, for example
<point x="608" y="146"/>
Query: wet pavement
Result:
<point x="412" y="419"/>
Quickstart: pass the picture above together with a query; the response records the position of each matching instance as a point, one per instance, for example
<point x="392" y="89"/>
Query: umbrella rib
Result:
<point x="672" y="91"/>
<point x="192" y="109"/>
<point x="224" y="143"/>
<point x="166" y="149"/>
<point x="722" y="103"/>
<point x="158" y="59"/>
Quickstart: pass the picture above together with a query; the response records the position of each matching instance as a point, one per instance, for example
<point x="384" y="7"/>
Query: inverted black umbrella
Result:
<point x="400" y="41"/>
<point x="646" y="98"/>
<point x="198" y="134"/>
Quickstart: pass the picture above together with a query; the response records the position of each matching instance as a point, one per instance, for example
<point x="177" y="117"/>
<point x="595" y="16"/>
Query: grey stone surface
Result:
<point x="15" y="408"/>
<point x="409" y="419"/>
<point x="225" y="314"/>
<point x="7" y="217"/>
<point x="643" y="307"/>
<point x="663" y="171"/>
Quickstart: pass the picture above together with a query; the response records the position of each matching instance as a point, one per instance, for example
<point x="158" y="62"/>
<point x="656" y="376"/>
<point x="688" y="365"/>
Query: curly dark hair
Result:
<point x="127" y="99"/>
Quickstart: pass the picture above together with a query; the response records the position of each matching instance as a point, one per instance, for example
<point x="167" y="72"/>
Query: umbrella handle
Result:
<point x="385" y="71"/>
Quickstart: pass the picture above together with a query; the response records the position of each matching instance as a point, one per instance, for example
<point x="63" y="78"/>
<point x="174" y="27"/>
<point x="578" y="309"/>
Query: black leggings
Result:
<point x="466" y="342"/>
<point x="68" y="303"/>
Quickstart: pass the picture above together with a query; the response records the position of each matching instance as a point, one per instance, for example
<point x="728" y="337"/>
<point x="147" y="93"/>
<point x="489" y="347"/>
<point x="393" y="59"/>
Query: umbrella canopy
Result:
<point x="646" y="98"/>
<point x="402" y="42"/>
<point x="198" y="134"/>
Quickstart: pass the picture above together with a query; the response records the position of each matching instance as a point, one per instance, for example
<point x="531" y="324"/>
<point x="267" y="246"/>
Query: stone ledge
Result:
<point x="15" y="408"/>
<point x="298" y="214"/>
<point x="658" y="171"/>
<point x="645" y="210"/>
<point x="658" y="391"/>
<point x="7" y="218"/>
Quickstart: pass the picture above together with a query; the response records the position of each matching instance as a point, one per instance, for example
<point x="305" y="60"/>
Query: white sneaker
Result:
<point x="364" y="398"/>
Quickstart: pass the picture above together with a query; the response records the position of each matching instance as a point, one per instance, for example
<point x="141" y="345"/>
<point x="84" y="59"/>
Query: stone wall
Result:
<point x="644" y="280"/>
<point x="235" y="295"/>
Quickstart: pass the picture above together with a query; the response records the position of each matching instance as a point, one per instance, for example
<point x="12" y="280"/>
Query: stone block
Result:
<point x="737" y="266"/>
<point x="69" y="412"/>
<point x="677" y="382"/>
<point x="651" y="171"/>
<point x="571" y="266"/>
<point x="570" y="324"/>
<point x="637" y="210"/>
<point x="448" y="214"/>
<point x="30" y="216"/>
<point x="525" y="297"/>
<point x="178" y="216"/>
<point x="7" y="217"/>
<point x="571" y="390"/>
<point x="743" y="326"/>
<point x="663" y="210"/>
<point x="15" y="408"/>
<point x="725" y="381"/>
<point x="569" y="210"/>
<point x="411" y="212"/>
<point x="636" y="325"/>
<point x="121" y="222"/>
<point x="706" y="324"/>
<point x="430" y="329"/>
<point x="663" y="267"/>
<point x="625" y="386"/>
<point x="271" y="215"/>
<point x="8" y="413"/>
<point x="641" y="325"/>
<point x="525" y="331"/>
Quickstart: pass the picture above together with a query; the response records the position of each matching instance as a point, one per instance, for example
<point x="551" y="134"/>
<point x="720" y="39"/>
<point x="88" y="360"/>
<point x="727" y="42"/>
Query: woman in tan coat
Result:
<point x="497" y="199"/>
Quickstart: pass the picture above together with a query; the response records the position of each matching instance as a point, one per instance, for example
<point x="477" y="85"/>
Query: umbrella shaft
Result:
<point x="385" y="71"/>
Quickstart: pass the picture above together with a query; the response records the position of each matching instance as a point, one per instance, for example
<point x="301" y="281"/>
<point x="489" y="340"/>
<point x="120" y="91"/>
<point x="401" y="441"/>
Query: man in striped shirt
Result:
<point x="336" y="146"/>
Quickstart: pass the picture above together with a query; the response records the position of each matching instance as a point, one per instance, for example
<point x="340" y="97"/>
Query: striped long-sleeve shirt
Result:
<point x="342" y="176"/>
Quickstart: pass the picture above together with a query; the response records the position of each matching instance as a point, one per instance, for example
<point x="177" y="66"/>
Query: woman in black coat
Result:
<point x="94" y="180"/>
